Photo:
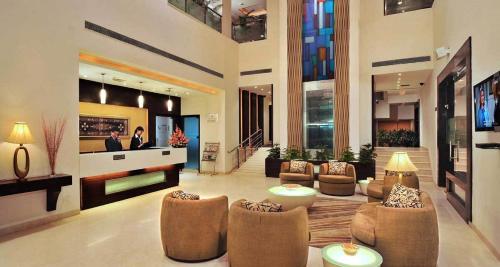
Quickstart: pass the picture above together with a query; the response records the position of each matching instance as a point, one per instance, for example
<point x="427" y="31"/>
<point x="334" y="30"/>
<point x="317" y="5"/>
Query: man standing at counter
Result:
<point x="113" y="142"/>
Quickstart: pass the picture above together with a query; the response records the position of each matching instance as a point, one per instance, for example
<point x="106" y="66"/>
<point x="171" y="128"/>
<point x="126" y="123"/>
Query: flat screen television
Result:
<point x="487" y="104"/>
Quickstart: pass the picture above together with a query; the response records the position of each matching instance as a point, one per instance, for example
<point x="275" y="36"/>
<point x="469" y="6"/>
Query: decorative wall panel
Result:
<point x="318" y="40"/>
<point x="341" y="111"/>
<point x="295" y="8"/>
<point x="93" y="126"/>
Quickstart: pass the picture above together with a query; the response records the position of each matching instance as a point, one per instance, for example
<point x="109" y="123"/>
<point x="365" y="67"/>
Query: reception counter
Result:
<point x="107" y="177"/>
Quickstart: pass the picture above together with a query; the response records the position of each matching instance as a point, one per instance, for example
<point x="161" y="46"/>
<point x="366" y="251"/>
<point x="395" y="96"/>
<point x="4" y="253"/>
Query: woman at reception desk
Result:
<point x="112" y="176"/>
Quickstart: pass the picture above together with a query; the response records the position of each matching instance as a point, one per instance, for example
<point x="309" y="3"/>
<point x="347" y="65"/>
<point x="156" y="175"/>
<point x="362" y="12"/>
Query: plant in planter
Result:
<point x="347" y="155"/>
<point x="178" y="139"/>
<point x="324" y="153"/>
<point x="292" y="153"/>
<point x="306" y="155"/>
<point x="274" y="152"/>
<point x="365" y="167"/>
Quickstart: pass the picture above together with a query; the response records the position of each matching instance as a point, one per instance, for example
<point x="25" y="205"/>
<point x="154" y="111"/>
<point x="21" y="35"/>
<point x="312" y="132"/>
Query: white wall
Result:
<point x="385" y="38"/>
<point x="454" y="22"/>
<point x="406" y="112"/>
<point x="266" y="54"/>
<point x="39" y="75"/>
<point x="383" y="110"/>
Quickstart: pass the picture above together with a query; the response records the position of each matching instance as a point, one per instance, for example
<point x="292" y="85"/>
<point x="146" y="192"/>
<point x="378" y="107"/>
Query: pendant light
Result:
<point x="140" y="99"/>
<point x="170" y="104"/>
<point x="103" y="94"/>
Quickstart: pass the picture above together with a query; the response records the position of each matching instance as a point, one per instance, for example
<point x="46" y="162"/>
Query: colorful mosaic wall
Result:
<point x="317" y="40"/>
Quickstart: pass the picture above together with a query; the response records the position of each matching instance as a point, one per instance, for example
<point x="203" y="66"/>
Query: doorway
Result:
<point x="256" y="118"/>
<point x="454" y="136"/>
<point x="192" y="131"/>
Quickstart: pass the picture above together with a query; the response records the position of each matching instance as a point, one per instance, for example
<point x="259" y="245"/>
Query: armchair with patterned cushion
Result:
<point x="337" y="185"/>
<point x="194" y="230"/>
<point x="405" y="237"/>
<point x="267" y="239"/>
<point x="378" y="190"/>
<point x="304" y="179"/>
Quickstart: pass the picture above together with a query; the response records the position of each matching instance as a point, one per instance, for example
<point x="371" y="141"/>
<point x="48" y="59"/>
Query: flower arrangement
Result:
<point x="53" y="132"/>
<point x="178" y="139"/>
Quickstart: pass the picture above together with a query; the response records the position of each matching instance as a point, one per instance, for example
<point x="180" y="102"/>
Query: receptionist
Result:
<point x="137" y="142"/>
<point x="113" y="142"/>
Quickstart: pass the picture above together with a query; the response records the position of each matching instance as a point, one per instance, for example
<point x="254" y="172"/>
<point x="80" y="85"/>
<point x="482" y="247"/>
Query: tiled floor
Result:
<point x="126" y="233"/>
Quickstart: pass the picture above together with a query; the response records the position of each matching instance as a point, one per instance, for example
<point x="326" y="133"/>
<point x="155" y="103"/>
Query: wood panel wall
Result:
<point x="341" y="108"/>
<point x="295" y="10"/>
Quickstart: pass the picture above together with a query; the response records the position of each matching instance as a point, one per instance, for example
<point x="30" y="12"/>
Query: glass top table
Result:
<point x="334" y="255"/>
<point x="291" y="196"/>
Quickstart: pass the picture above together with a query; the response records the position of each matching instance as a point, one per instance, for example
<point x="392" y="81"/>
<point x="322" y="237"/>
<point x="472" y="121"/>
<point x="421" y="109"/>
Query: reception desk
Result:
<point x="107" y="177"/>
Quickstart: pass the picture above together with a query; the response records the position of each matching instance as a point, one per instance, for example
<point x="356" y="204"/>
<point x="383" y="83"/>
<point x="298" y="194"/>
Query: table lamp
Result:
<point x="400" y="162"/>
<point x="21" y="135"/>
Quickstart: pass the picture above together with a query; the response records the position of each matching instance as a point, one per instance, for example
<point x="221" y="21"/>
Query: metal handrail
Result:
<point x="245" y="141"/>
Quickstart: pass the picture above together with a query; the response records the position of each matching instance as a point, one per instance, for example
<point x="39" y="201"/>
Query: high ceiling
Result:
<point x="94" y="73"/>
<point x="394" y="83"/>
<point x="400" y="6"/>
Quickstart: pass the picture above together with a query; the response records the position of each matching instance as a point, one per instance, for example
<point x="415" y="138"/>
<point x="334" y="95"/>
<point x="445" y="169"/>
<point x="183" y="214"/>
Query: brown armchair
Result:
<point x="405" y="237"/>
<point x="304" y="179"/>
<point x="337" y="185"/>
<point x="379" y="190"/>
<point x="267" y="239"/>
<point x="194" y="230"/>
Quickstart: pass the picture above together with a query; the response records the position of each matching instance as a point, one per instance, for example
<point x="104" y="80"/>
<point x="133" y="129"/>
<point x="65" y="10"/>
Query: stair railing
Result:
<point x="248" y="147"/>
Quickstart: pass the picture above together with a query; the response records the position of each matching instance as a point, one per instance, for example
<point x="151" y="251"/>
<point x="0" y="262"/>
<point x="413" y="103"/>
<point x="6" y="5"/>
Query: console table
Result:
<point x="52" y="184"/>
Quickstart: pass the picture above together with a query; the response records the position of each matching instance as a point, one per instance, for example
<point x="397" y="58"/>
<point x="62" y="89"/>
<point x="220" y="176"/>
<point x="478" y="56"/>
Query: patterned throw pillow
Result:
<point x="261" y="206"/>
<point x="336" y="167"/>
<point x="185" y="196"/>
<point x="393" y="173"/>
<point x="298" y="166"/>
<point x="404" y="197"/>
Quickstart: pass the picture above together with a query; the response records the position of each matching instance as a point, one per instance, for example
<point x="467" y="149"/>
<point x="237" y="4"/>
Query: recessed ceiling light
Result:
<point x="255" y="87"/>
<point x="262" y="89"/>
<point x="187" y="93"/>
<point x="85" y="76"/>
<point x="269" y="92"/>
<point x="400" y="2"/>
<point x="399" y="74"/>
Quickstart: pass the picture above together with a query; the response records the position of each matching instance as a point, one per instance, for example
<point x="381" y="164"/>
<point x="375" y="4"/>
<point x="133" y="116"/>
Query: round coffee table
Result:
<point x="292" y="196"/>
<point x="334" y="256"/>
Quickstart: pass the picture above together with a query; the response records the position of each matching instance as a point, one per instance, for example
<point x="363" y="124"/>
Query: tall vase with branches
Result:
<point x="53" y="132"/>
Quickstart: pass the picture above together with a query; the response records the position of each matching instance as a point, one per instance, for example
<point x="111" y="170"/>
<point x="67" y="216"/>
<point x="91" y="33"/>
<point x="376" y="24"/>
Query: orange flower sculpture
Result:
<point x="178" y="139"/>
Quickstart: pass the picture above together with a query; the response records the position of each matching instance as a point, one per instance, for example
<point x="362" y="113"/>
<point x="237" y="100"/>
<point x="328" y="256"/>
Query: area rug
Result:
<point x="330" y="220"/>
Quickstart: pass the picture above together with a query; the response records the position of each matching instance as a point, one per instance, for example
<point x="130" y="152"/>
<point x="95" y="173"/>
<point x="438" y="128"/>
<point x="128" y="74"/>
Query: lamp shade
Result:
<point x="20" y="134"/>
<point x="400" y="162"/>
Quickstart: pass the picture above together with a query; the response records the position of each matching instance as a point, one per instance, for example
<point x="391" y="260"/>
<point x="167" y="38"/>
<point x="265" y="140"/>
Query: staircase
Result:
<point x="255" y="165"/>
<point x="418" y="155"/>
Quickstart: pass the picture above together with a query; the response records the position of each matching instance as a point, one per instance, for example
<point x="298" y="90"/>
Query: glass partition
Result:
<point x="318" y="114"/>
<point x="250" y="29"/>
<point x="200" y="11"/>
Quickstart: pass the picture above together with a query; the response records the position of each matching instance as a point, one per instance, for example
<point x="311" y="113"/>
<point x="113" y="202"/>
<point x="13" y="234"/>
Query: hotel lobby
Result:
<point x="262" y="133"/>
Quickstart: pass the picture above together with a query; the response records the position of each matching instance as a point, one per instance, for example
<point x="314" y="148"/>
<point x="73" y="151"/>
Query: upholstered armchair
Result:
<point x="194" y="230"/>
<point x="267" y="239"/>
<point x="405" y="237"/>
<point x="337" y="185"/>
<point x="304" y="179"/>
<point x="379" y="190"/>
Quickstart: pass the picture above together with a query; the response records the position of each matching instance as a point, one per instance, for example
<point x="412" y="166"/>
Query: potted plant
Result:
<point x="365" y="167"/>
<point x="347" y="155"/>
<point x="273" y="161"/>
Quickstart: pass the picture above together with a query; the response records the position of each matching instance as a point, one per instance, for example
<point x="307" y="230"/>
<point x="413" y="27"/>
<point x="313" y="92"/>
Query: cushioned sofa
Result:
<point x="405" y="237"/>
<point x="267" y="239"/>
<point x="378" y="190"/>
<point x="194" y="230"/>
<point x="304" y="179"/>
<point x="337" y="185"/>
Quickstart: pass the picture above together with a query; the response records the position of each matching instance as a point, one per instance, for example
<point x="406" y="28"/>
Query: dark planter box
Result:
<point x="273" y="167"/>
<point x="364" y="170"/>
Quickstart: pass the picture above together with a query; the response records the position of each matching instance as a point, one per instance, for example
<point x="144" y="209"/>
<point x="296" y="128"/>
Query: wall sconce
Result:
<point x="103" y="94"/>
<point x="170" y="103"/>
<point x="21" y="135"/>
<point x="140" y="99"/>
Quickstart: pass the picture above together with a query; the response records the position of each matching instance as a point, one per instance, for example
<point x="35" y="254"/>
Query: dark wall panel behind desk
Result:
<point x="123" y="96"/>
